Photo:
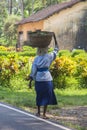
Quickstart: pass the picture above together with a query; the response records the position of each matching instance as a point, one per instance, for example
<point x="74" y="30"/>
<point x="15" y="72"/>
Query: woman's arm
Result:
<point x="56" y="47"/>
<point x="56" y="43"/>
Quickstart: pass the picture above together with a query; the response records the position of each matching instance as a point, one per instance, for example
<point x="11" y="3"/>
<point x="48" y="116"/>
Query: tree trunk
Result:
<point x="10" y="6"/>
<point x="22" y="8"/>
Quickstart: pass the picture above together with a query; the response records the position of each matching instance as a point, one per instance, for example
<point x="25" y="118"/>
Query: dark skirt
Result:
<point x="44" y="93"/>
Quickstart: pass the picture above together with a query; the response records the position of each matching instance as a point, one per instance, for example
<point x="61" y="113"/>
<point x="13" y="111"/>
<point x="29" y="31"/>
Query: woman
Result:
<point x="43" y="80"/>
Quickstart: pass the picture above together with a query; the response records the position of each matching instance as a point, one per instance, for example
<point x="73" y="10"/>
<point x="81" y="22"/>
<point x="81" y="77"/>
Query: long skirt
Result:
<point x="45" y="93"/>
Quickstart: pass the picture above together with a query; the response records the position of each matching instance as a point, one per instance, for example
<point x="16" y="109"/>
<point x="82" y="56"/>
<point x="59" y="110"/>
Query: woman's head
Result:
<point x="42" y="51"/>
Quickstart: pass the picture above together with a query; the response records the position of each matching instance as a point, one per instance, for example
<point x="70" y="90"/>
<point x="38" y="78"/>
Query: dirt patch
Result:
<point x="74" y="117"/>
<point x="71" y="117"/>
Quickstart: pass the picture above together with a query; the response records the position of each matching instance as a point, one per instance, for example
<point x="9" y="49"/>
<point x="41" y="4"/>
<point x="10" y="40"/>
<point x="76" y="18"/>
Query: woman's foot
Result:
<point x="45" y="117"/>
<point x="44" y="112"/>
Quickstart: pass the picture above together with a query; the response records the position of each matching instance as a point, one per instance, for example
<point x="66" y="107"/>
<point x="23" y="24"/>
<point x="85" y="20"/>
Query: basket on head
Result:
<point x="39" y="38"/>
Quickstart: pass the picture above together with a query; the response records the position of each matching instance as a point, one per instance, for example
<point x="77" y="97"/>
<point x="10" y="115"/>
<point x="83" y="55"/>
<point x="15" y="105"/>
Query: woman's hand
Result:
<point x="29" y="78"/>
<point x="30" y="83"/>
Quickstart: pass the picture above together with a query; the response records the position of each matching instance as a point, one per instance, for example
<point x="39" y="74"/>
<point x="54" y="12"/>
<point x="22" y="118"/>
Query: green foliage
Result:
<point x="67" y="71"/>
<point x="36" y="5"/>
<point x="82" y="82"/>
<point x="9" y="66"/>
<point x="26" y="97"/>
<point x="82" y="70"/>
<point x="27" y="48"/>
<point x="28" y="51"/>
<point x="50" y="49"/>
<point x="3" y="16"/>
<point x="10" y="30"/>
<point x="62" y="68"/>
<point x="59" y="82"/>
<point x="64" y="53"/>
<point x="77" y="52"/>
<point x="72" y="83"/>
<point x="66" y="67"/>
<point x="3" y="53"/>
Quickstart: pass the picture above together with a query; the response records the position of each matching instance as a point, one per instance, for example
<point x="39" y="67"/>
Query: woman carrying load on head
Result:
<point x="43" y="80"/>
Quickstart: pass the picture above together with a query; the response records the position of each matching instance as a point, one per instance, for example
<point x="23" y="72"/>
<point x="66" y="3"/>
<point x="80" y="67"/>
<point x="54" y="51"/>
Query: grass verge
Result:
<point x="25" y="99"/>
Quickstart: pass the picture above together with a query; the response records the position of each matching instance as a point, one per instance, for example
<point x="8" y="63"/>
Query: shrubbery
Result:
<point x="68" y="70"/>
<point x="61" y="68"/>
<point x="10" y="66"/>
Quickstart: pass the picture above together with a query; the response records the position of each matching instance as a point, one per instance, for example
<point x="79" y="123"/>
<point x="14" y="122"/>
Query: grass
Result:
<point x="72" y="97"/>
<point x="18" y="98"/>
<point x="70" y="125"/>
<point x="26" y="97"/>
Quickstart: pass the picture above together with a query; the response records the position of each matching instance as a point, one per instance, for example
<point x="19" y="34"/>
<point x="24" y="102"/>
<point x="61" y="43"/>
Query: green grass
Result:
<point x="26" y="97"/>
<point x="72" y="97"/>
<point x="18" y="98"/>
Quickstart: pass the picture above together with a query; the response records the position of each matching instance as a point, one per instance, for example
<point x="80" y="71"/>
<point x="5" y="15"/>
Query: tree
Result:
<point x="3" y="15"/>
<point x="44" y="3"/>
<point x="10" y="6"/>
<point x="10" y="30"/>
<point x="22" y="8"/>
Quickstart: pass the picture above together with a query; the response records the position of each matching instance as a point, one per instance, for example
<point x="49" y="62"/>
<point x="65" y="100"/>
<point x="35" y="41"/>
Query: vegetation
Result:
<point x="11" y="11"/>
<point x="69" y="68"/>
<point x="10" y="30"/>
<point x="26" y="97"/>
<point x="69" y="72"/>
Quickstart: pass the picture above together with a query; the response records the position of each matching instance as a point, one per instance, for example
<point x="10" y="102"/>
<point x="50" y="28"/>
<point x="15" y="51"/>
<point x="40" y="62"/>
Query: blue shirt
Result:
<point x="43" y="61"/>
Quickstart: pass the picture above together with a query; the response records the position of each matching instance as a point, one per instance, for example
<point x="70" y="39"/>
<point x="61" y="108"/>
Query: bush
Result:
<point x="28" y="48"/>
<point x="64" y="53"/>
<point x="4" y="53"/>
<point x="77" y="52"/>
<point x="27" y="53"/>
<point x="9" y="66"/>
<point x="3" y="48"/>
<point x="61" y="68"/>
<point x="67" y="71"/>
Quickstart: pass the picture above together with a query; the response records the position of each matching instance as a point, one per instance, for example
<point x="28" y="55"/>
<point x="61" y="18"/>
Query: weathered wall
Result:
<point x="29" y="27"/>
<point x="70" y="26"/>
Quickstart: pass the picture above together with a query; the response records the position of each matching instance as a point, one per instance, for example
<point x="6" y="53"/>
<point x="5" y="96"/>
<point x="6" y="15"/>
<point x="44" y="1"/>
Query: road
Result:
<point x="12" y="118"/>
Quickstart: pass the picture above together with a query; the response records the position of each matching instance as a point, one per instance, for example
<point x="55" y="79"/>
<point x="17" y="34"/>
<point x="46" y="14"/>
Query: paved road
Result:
<point x="14" y="119"/>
